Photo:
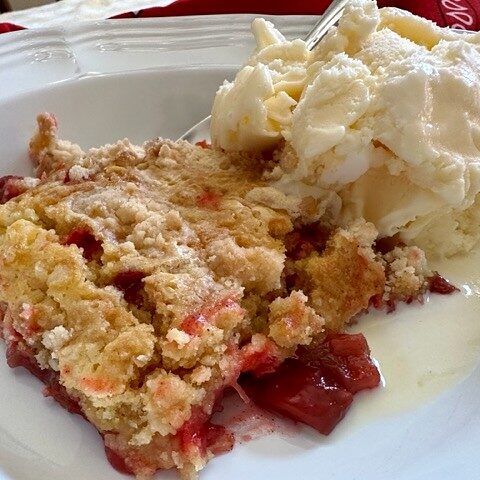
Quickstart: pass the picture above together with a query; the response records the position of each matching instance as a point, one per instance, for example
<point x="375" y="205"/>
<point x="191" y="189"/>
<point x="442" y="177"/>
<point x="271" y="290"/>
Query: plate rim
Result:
<point x="52" y="83"/>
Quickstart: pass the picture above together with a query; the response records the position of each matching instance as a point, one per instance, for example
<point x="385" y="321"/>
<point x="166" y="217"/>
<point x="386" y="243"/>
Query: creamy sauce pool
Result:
<point x="422" y="350"/>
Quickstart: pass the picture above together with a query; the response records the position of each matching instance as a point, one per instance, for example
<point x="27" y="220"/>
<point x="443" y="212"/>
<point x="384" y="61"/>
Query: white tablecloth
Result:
<point x="59" y="13"/>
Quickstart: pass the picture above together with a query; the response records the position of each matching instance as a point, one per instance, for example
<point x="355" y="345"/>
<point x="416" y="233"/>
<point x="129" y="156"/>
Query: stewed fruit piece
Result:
<point x="317" y="388"/>
<point x="303" y="394"/>
<point x="345" y="359"/>
<point x="83" y="238"/>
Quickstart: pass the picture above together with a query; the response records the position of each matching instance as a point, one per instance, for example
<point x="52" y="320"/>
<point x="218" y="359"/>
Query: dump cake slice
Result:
<point x="140" y="282"/>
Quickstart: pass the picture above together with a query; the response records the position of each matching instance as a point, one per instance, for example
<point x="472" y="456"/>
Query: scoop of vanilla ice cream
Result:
<point x="387" y="126"/>
<point x="250" y="113"/>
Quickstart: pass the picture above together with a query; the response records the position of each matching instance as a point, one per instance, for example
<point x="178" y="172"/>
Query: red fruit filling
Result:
<point x="438" y="284"/>
<point x="9" y="188"/>
<point x="209" y="199"/>
<point x="117" y="461"/>
<point x="131" y="284"/>
<point x="20" y="355"/>
<point x="346" y="361"/>
<point x="303" y="394"/>
<point x="203" y="144"/>
<point x="194" y="324"/>
<point x="199" y="433"/>
<point x="344" y="345"/>
<point x="318" y="387"/>
<point x="83" y="238"/>
<point x="309" y="238"/>
<point x="261" y="362"/>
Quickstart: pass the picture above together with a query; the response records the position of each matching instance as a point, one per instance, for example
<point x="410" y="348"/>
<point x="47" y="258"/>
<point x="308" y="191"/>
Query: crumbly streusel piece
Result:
<point x="341" y="281"/>
<point x="407" y="273"/>
<point x="292" y="322"/>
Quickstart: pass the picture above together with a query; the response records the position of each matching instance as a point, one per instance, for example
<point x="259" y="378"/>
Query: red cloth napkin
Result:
<point x="463" y="14"/>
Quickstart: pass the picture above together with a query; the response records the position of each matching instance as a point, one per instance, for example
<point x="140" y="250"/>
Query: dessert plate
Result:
<point x="157" y="77"/>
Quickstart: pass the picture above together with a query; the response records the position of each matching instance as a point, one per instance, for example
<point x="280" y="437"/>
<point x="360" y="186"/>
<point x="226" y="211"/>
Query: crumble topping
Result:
<point x="78" y="173"/>
<point x="341" y="280"/>
<point x="56" y="338"/>
<point x="292" y="322"/>
<point x="149" y="278"/>
<point x="407" y="273"/>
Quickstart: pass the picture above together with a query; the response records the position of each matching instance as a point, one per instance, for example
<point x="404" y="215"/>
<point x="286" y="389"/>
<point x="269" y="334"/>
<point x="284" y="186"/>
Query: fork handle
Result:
<point x="330" y="17"/>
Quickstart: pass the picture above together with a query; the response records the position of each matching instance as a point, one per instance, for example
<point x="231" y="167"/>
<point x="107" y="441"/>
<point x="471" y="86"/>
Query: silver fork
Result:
<point x="201" y="131"/>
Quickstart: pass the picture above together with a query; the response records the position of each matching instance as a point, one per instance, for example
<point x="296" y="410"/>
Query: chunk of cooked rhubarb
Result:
<point x="199" y="433"/>
<point x="438" y="284"/>
<point x="346" y="361"/>
<point x="117" y="461"/>
<point x="10" y="188"/>
<point x="130" y="283"/>
<point x="303" y="394"/>
<point x="344" y="345"/>
<point x="83" y="238"/>
<point x="318" y="387"/>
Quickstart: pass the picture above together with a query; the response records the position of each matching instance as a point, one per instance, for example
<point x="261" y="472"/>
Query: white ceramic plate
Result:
<point x="145" y="78"/>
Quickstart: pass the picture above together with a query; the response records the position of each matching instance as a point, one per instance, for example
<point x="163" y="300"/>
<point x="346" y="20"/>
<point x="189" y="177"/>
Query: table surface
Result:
<point x="23" y="4"/>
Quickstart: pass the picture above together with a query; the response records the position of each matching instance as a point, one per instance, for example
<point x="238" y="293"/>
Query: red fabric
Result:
<point x="9" y="27"/>
<point x="455" y="13"/>
<point x="205" y="7"/>
<point x="125" y="15"/>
